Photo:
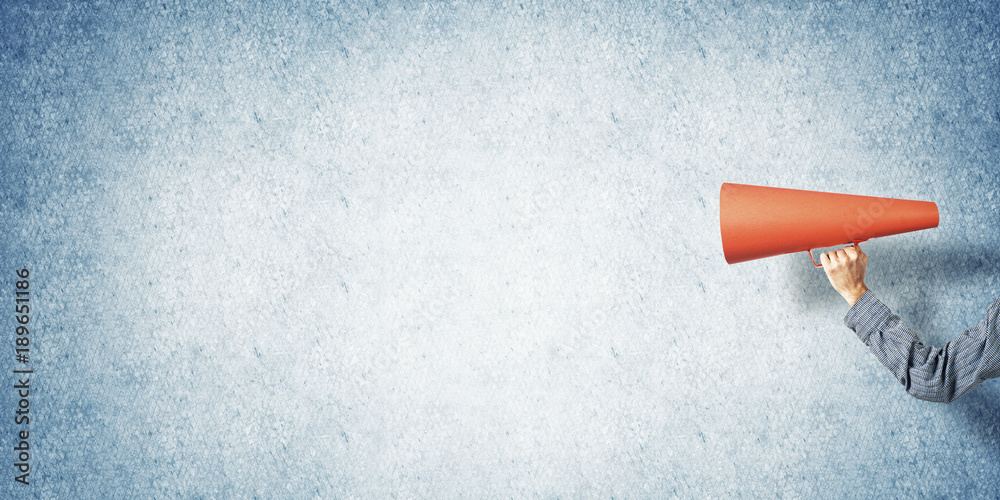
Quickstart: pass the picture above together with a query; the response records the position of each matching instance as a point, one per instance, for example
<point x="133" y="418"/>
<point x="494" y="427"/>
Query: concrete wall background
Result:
<point x="453" y="249"/>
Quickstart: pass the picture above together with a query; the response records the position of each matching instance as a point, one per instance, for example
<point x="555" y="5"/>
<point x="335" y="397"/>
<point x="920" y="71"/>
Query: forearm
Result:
<point x="928" y="373"/>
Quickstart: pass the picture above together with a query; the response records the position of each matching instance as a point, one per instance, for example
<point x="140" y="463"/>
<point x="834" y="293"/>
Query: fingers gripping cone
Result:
<point x="758" y="221"/>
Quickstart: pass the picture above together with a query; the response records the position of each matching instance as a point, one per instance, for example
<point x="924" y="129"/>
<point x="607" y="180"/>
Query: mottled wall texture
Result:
<point x="471" y="249"/>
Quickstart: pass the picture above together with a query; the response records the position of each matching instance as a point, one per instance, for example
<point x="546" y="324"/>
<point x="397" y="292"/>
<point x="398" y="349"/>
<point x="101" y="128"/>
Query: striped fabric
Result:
<point x="929" y="373"/>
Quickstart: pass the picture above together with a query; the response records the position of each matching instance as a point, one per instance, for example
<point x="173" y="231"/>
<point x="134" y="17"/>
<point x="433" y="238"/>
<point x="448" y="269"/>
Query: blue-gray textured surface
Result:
<point x="324" y="249"/>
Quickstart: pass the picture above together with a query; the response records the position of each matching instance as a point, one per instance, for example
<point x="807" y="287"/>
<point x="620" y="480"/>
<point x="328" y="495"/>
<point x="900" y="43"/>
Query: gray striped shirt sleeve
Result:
<point x="929" y="373"/>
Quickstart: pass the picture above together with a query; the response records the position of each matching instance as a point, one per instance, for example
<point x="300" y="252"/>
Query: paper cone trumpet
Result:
<point x="758" y="221"/>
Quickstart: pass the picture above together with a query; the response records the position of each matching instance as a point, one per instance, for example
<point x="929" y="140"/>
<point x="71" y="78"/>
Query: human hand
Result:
<point x="846" y="270"/>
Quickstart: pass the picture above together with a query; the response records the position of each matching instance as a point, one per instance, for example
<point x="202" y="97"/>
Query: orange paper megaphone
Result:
<point x="760" y="221"/>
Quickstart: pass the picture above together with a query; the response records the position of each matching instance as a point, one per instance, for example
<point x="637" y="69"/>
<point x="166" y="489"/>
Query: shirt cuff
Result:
<point x="867" y="315"/>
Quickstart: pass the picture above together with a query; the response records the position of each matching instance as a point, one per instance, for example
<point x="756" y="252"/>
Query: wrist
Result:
<point x="852" y="296"/>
